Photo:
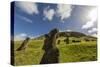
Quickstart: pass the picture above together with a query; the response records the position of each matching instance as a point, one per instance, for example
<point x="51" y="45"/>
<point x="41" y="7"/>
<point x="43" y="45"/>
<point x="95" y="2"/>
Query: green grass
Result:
<point x="73" y="52"/>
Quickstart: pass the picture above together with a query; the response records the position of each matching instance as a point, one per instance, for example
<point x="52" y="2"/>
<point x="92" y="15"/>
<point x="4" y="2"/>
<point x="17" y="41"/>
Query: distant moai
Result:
<point x="58" y="42"/>
<point x="86" y="39"/>
<point x="24" y="44"/>
<point x="67" y="40"/>
<point x="51" y="54"/>
<point x="76" y="41"/>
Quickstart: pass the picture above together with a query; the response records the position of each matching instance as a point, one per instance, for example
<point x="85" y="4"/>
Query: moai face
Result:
<point x="53" y="37"/>
<point x="46" y="36"/>
<point x="53" y="32"/>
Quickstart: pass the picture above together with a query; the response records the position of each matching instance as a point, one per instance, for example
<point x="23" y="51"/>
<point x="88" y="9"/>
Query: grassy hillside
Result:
<point x="72" y="52"/>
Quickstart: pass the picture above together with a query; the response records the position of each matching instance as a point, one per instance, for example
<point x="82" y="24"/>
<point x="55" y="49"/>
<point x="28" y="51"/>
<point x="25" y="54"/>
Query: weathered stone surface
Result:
<point x="24" y="44"/>
<point x="51" y="51"/>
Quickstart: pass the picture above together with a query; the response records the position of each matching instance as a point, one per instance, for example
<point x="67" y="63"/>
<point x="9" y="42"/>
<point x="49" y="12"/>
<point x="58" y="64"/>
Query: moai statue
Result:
<point x="51" y="51"/>
<point x="67" y="39"/>
<point x="24" y="44"/>
<point x="45" y="46"/>
<point x="53" y="37"/>
<point x="58" y="42"/>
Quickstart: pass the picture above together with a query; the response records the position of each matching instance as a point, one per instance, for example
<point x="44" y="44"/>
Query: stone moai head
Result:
<point x="52" y="38"/>
<point x="46" y="36"/>
<point x="53" y="32"/>
<point x="27" y="38"/>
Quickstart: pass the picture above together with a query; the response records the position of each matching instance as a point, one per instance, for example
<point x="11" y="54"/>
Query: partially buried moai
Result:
<point x="24" y="44"/>
<point x="51" y="51"/>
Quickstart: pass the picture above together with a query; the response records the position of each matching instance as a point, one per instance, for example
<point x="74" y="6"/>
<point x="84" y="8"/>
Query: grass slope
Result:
<point x="73" y="52"/>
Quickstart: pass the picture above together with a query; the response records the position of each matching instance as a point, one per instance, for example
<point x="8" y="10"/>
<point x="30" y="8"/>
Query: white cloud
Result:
<point x="32" y="37"/>
<point x="64" y="11"/>
<point x="25" y="18"/>
<point x="48" y="13"/>
<point x="95" y="35"/>
<point x="68" y="30"/>
<point x="23" y="35"/>
<point x="93" y="30"/>
<point x="92" y="19"/>
<point x="27" y="7"/>
<point x="89" y="24"/>
<point x="19" y="37"/>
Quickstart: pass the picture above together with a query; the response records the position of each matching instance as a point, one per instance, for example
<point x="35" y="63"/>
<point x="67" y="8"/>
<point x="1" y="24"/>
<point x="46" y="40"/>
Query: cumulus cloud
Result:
<point x="64" y="11"/>
<point x="32" y="37"/>
<point x="92" y="19"/>
<point x="25" y="18"/>
<point x="68" y="30"/>
<point x="23" y="35"/>
<point x="94" y="35"/>
<point x="27" y="7"/>
<point x="93" y="30"/>
<point x="19" y="37"/>
<point x="89" y="24"/>
<point x="48" y="13"/>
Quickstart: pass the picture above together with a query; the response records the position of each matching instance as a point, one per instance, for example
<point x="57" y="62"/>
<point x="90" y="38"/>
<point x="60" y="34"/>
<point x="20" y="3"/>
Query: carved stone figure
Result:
<point x="24" y="44"/>
<point x="51" y="54"/>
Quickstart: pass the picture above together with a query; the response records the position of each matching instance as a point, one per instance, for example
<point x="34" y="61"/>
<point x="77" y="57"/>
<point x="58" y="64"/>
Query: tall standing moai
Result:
<point x="24" y="44"/>
<point x="53" y="37"/>
<point x="51" y="54"/>
<point x="67" y="40"/>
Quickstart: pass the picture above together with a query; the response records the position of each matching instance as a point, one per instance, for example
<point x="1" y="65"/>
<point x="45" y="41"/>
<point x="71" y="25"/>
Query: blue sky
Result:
<point x="34" y="19"/>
